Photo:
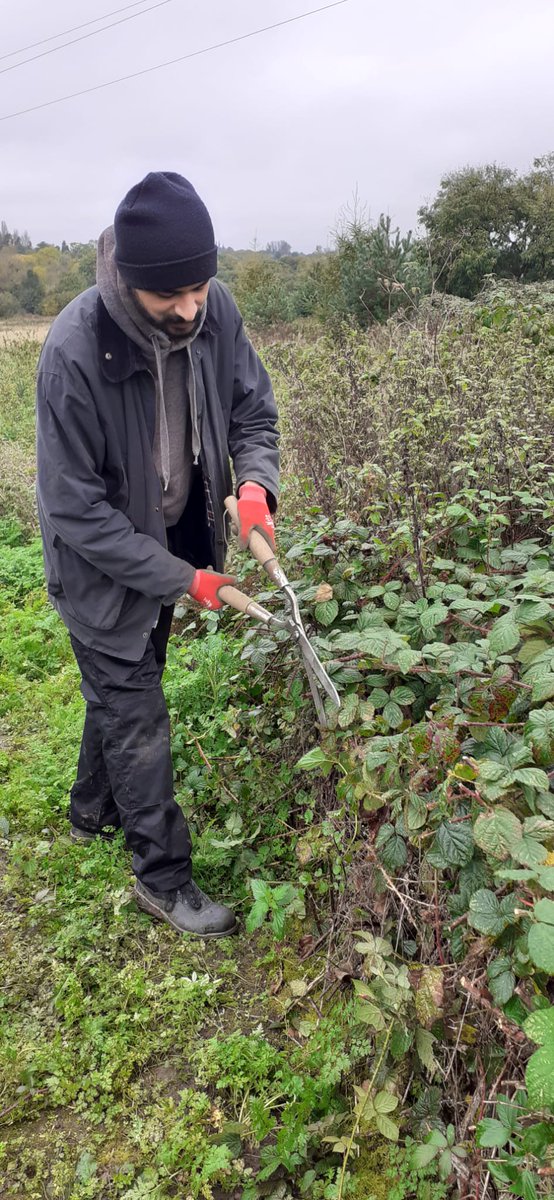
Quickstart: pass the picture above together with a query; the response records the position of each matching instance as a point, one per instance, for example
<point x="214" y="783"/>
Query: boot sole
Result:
<point x="154" y="911"/>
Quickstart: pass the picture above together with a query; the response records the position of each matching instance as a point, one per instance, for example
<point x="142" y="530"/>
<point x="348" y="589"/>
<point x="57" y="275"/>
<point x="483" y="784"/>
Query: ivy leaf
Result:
<point x="497" y="832"/>
<point x="452" y="846"/>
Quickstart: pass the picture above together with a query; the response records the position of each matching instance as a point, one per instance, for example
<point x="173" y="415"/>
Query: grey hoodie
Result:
<point x="176" y="440"/>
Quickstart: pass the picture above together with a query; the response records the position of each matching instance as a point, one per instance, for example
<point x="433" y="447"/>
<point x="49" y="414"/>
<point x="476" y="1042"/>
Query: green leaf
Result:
<point x="445" y="1164"/>
<point x="393" y="714"/>
<point x="256" y="916"/>
<point x="497" y="832"/>
<point x="391" y="848"/>
<point x="539" y="1077"/>
<point x="370" y="1014"/>
<point x="543" y="688"/>
<point x="385" y="1102"/>
<point x="452" y="846"/>
<point x="546" y="879"/>
<point x="539" y="1026"/>
<point x="326" y="612"/>
<point x="421" y="1156"/>
<point x="315" y="760"/>
<point x="532" y="777"/>
<point x="540" y="940"/>
<point x="433" y="616"/>
<point x="416" y="812"/>
<point x="386" y="1127"/>
<point x="501" y="979"/>
<point x="278" y="922"/>
<point x="485" y="913"/>
<point x="528" y="1186"/>
<point x="490" y="1132"/>
<point x="529" y="852"/>
<point x="504" y="635"/>
<point x="261" y="890"/>
<point x="424" y="1040"/>
<point x="86" y="1167"/>
<point x="544" y="910"/>
<point x="402" y="695"/>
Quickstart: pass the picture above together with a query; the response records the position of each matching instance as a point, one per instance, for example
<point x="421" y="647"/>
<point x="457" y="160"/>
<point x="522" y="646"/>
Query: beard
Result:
<point x="173" y="327"/>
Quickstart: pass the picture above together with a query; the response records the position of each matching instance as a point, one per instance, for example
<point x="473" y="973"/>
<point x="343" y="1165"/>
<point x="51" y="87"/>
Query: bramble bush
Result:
<point x="396" y="870"/>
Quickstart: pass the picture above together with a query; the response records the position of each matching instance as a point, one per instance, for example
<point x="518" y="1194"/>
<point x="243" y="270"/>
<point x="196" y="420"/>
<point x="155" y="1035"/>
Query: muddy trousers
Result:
<point x="125" y="773"/>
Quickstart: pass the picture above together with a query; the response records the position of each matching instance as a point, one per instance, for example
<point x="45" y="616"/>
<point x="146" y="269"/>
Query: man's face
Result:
<point x="176" y="313"/>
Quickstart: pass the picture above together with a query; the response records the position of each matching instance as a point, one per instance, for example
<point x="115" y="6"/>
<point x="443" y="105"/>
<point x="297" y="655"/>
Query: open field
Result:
<point x="18" y="329"/>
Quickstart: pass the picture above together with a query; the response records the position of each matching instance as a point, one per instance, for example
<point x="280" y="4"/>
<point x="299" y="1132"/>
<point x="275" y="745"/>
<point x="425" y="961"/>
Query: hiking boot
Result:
<point x="188" y="910"/>
<point x="86" y="835"/>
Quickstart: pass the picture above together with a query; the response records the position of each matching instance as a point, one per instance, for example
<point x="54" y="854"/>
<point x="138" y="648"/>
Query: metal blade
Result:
<point x="312" y="662"/>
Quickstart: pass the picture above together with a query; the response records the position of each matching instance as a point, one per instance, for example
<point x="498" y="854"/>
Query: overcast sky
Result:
<point x="277" y="132"/>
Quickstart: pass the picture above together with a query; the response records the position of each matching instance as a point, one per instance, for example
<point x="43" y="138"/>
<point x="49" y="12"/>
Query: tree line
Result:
<point x="484" y="221"/>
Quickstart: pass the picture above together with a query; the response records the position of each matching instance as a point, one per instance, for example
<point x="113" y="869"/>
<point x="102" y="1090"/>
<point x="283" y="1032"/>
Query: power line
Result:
<point x="83" y="37"/>
<point x="74" y="28"/>
<point x="171" y="62"/>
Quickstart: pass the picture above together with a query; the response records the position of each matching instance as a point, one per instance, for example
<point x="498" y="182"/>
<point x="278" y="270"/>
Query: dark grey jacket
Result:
<point x="108" y="568"/>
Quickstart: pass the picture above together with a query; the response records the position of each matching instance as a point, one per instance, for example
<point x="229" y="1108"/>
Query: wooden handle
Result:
<point x="259" y="548"/>
<point x="231" y="595"/>
<point x="243" y="603"/>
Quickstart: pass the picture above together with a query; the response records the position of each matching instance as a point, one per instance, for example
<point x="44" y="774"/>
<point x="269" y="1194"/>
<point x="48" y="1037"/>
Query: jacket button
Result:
<point x="157" y="509"/>
<point x="145" y="635"/>
<point x="107" y="355"/>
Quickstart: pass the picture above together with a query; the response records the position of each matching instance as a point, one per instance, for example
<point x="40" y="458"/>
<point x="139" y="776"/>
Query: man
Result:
<point x="147" y="384"/>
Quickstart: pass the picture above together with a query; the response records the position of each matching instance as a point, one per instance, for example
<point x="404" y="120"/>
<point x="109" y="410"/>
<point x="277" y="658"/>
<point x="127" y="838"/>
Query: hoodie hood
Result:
<point x="166" y="363"/>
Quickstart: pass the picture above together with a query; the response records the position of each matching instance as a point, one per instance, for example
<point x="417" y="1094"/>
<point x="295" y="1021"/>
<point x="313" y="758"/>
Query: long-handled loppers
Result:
<point x="291" y="620"/>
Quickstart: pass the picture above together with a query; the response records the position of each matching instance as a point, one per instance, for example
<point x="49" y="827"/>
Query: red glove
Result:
<point x="254" y="514"/>
<point x="205" y="587"/>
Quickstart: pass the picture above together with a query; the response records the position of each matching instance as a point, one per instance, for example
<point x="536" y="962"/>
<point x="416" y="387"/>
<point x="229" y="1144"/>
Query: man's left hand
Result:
<point x="254" y="514"/>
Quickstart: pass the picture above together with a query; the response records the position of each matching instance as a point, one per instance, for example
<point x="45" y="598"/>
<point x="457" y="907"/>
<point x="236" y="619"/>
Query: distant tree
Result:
<point x="278" y="249"/>
<point x="477" y="225"/>
<point x="538" y="257"/>
<point x="262" y="291"/>
<point x="373" y="272"/>
<point x="30" y="292"/>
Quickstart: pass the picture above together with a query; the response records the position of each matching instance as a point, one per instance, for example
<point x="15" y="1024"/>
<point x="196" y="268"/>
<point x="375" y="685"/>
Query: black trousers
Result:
<point x="125" y="772"/>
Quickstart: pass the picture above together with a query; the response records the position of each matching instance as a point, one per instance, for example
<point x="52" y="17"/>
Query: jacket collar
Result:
<point x="119" y="356"/>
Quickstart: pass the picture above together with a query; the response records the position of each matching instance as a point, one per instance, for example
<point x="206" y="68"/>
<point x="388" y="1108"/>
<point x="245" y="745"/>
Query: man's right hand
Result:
<point x="205" y="588"/>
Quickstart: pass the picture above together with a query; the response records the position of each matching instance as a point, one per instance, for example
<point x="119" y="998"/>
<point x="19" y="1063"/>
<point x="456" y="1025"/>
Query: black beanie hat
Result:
<point x="164" y="238"/>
